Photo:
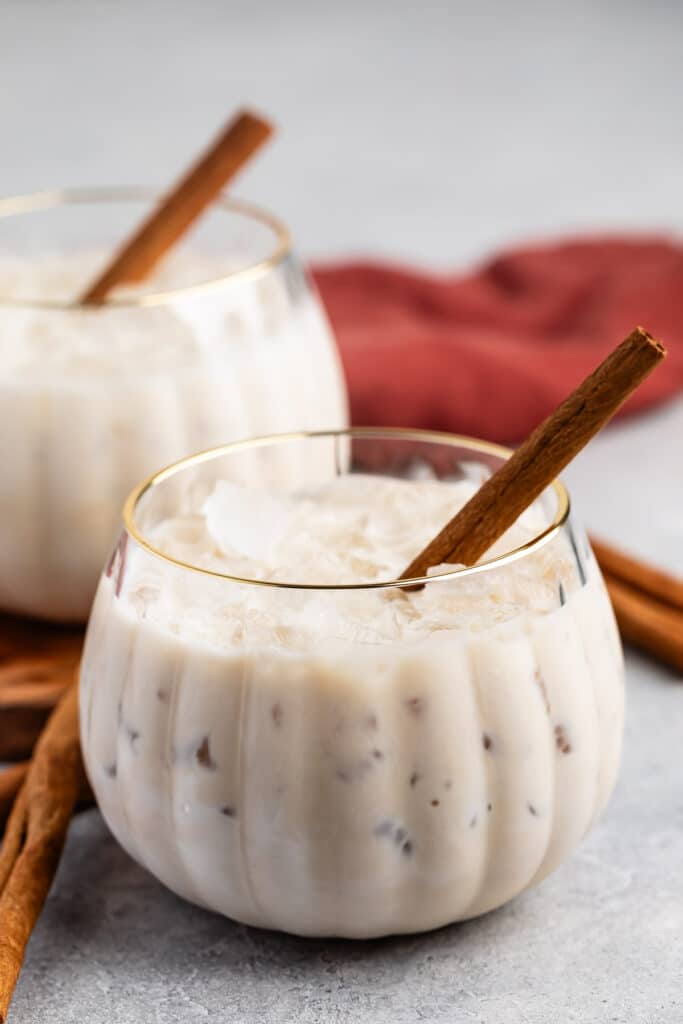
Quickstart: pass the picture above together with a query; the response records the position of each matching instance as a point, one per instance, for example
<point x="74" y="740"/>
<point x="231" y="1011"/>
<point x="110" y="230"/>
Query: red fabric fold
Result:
<point x="491" y="353"/>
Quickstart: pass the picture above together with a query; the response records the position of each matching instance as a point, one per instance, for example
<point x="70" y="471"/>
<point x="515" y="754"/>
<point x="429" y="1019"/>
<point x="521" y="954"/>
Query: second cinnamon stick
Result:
<point x="35" y="835"/>
<point x="643" y="577"/>
<point x="650" y="625"/>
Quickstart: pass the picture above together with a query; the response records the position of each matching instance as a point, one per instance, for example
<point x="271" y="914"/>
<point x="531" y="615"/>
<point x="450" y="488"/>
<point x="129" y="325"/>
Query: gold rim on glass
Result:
<point x="397" y="433"/>
<point x="12" y="206"/>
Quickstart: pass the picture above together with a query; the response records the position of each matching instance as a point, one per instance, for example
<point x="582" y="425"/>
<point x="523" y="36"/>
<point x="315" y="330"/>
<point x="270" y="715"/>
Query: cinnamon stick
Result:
<point x="648" y="624"/>
<point x="11" y="780"/>
<point x="195" y="190"/>
<point x="37" y="663"/>
<point x="37" y="672"/>
<point x="20" y="728"/>
<point x="29" y="689"/>
<point x="43" y="639"/>
<point x="643" y="577"/>
<point x="534" y="466"/>
<point x="9" y="851"/>
<point x="35" y="836"/>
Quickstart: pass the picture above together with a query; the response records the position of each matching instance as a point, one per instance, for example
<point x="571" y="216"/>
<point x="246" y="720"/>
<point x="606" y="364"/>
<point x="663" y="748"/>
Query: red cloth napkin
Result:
<point x="493" y="352"/>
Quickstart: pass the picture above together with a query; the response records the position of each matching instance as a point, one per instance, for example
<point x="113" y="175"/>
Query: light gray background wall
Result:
<point x="429" y="130"/>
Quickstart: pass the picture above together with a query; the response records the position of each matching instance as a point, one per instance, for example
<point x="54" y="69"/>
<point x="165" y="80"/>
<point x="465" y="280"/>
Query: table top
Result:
<point x="399" y="119"/>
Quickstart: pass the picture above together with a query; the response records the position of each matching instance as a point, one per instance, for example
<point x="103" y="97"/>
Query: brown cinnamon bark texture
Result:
<point x="651" y="625"/>
<point x="11" y="780"/>
<point x="35" y="836"/>
<point x="657" y="584"/>
<point x="37" y="664"/>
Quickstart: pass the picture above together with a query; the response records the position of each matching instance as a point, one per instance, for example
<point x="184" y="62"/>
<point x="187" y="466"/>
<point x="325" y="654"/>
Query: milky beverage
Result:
<point x="349" y="762"/>
<point x="92" y="400"/>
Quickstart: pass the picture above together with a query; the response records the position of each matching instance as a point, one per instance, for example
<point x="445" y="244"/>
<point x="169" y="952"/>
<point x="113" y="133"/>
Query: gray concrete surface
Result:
<point x="435" y="132"/>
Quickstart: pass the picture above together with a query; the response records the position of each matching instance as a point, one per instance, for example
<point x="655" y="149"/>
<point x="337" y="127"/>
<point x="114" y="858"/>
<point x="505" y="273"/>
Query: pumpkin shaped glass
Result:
<point x="349" y="760"/>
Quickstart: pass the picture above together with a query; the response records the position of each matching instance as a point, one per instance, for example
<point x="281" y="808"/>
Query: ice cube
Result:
<point x="246" y="521"/>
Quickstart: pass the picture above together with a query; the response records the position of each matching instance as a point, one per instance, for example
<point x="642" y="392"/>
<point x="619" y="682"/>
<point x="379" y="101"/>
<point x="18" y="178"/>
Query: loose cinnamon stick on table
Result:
<point x="35" y="836"/>
<point x="31" y="683"/>
<point x="20" y="727"/>
<point x="545" y="453"/>
<point x="44" y="639"/>
<point x="646" y="623"/>
<point x="11" y="781"/>
<point x="196" y="189"/>
<point x="29" y="689"/>
<point x="650" y="625"/>
<point x="648" y="604"/>
<point x="639" y="575"/>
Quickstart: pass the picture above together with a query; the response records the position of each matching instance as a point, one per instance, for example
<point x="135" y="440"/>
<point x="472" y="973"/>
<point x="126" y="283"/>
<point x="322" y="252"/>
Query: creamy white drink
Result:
<point x="349" y="762"/>
<point x="91" y="400"/>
